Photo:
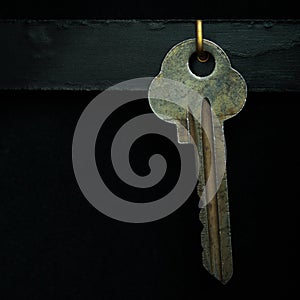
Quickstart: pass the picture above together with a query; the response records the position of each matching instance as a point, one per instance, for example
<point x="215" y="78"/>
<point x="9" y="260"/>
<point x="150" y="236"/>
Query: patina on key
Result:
<point x="221" y="95"/>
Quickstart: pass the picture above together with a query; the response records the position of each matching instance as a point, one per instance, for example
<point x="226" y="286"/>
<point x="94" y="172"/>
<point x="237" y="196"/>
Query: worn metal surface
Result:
<point x="95" y="54"/>
<point x="226" y="91"/>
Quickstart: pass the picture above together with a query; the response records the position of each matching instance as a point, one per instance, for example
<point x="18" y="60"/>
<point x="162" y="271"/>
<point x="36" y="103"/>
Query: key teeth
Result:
<point x="226" y="276"/>
<point x="204" y="240"/>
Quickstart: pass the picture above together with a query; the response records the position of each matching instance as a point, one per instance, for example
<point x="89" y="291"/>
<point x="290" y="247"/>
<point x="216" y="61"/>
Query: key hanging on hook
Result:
<point x="219" y="96"/>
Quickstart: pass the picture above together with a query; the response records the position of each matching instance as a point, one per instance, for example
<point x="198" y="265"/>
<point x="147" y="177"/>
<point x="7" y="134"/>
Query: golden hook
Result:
<point x="202" y="55"/>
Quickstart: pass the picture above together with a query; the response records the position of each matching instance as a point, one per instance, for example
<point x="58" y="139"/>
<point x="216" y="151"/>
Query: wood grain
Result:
<point x="95" y="54"/>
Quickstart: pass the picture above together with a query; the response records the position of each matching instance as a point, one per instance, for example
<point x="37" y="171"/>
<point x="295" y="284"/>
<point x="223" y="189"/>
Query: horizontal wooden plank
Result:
<point x="95" y="54"/>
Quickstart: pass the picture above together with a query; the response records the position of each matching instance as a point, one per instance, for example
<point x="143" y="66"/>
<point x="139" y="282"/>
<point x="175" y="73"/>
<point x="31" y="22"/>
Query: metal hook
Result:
<point x="202" y="55"/>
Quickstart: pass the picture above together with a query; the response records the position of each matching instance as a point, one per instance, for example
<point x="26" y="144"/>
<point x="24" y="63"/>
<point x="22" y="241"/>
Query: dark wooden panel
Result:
<point x="94" y="54"/>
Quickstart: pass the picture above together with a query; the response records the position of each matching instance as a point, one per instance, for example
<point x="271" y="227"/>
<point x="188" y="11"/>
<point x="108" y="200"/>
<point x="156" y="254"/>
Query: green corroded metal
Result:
<point x="225" y="88"/>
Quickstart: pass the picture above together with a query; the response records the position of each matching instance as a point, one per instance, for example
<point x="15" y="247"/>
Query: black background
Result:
<point x="55" y="245"/>
<point x="91" y="9"/>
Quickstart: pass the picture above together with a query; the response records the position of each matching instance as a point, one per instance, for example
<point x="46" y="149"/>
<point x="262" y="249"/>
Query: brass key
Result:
<point x="199" y="106"/>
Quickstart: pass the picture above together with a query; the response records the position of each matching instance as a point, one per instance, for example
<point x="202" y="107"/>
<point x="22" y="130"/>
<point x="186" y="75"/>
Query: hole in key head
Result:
<point x="201" y="69"/>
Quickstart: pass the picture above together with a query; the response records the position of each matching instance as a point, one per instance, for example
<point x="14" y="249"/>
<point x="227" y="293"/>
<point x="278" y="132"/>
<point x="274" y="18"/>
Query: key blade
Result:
<point x="226" y="90"/>
<point x="188" y="132"/>
<point x="215" y="236"/>
<point x="217" y="252"/>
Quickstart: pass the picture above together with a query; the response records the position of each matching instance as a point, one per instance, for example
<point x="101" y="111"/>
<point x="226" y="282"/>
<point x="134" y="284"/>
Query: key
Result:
<point x="199" y="106"/>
